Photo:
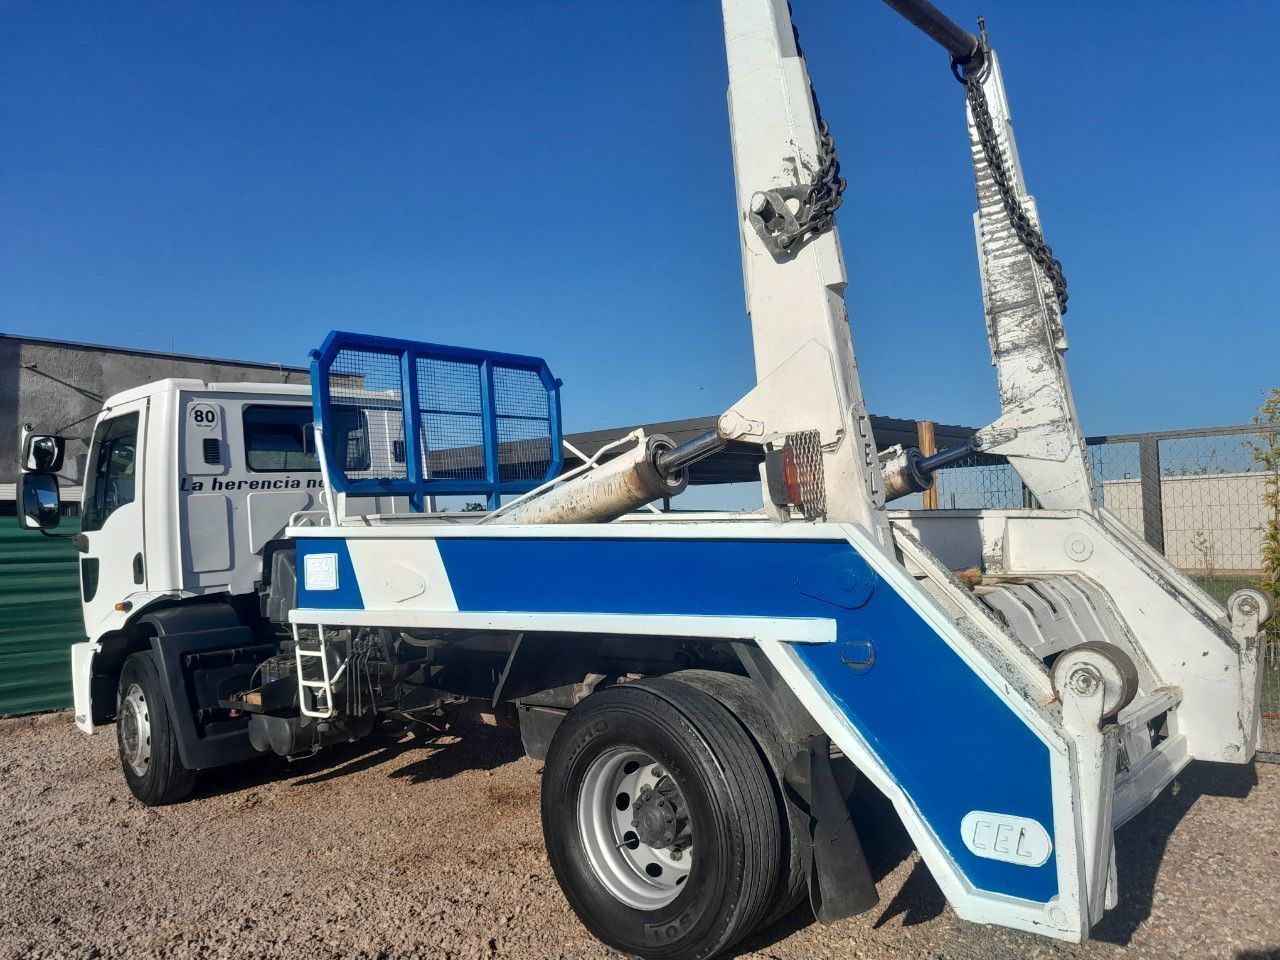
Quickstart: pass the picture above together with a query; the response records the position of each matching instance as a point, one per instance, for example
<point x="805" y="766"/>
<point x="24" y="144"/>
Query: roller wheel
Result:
<point x="1113" y="666"/>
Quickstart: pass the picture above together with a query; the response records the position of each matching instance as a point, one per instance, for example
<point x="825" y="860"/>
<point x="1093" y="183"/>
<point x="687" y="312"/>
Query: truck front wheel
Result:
<point x="660" y="821"/>
<point x="146" y="738"/>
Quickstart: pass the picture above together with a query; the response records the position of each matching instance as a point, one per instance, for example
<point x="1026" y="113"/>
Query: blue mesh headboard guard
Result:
<point x="419" y="419"/>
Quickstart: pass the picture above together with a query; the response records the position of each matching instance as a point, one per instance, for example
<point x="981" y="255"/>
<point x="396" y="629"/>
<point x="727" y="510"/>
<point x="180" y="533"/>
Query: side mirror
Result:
<point x="42" y="453"/>
<point x="41" y="503"/>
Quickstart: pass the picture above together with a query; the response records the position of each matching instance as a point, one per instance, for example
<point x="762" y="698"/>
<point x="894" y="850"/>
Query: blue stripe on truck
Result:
<point x="947" y="738"/>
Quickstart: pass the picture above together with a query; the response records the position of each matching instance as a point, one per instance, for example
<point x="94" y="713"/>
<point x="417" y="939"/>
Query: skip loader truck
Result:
<point x="263" y="571"/>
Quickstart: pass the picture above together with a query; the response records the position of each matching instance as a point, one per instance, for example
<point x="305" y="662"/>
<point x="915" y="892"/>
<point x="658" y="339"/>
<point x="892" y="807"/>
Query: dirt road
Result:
<point x="405" y="849"/>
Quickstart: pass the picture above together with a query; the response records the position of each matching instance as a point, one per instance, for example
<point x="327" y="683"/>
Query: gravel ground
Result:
<point x="411" y="849"/>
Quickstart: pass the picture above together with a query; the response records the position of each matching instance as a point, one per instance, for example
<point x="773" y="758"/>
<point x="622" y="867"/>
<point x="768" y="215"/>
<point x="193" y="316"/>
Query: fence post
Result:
<point x="928" y="446"/>
<point x="1152" y="500"/>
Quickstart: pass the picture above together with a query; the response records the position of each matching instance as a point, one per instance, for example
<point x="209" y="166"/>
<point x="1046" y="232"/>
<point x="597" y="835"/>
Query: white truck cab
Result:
<point x="189" y="487"/>
<point x="188" y="484"/>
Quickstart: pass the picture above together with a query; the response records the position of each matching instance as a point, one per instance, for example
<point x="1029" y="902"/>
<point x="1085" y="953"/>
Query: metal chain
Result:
<point x="1028" y="233"/>
<point x="820" y="199"/>
<point x="826" y="193"/>
<point x="807" y="448"/>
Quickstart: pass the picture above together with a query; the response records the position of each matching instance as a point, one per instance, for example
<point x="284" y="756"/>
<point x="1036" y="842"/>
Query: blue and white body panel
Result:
<point x="951" y="721"/>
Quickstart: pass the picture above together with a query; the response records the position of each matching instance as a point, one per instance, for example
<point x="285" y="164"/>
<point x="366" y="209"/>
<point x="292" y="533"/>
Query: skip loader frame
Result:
<point x="702" y="686"/>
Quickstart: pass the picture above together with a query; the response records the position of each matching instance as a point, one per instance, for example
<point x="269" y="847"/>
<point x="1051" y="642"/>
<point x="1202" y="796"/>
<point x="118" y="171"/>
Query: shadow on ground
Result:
<point x="1140" y="849"/>
<point x="476" y="748"/>
<point x="886" y="844"/>
<point x="1141" y="843"/>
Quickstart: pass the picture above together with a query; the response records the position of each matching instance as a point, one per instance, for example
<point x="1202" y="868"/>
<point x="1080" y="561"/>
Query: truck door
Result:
<point x="112" y="563"/>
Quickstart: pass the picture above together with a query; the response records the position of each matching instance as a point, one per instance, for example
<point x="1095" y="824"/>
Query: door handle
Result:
<point x="137" y="568"/>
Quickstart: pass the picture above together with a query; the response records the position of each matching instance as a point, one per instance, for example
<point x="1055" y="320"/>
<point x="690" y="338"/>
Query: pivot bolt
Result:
<point x="1084" y="681"/>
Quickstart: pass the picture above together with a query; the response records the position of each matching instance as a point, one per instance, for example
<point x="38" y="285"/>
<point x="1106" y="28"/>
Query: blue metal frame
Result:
<point x="953" y="743"/>
<point x="415" y="486"/>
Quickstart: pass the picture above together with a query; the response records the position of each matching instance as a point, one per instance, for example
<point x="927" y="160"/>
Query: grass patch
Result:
<point x="1222" y="587"/>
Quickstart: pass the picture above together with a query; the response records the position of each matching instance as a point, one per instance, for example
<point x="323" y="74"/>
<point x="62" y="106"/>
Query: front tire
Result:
<point x="146" y="738"/>
<point x="660" y="821"/>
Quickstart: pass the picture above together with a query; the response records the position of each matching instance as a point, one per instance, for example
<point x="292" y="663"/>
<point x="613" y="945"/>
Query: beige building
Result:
<point x="1213" y="523"/>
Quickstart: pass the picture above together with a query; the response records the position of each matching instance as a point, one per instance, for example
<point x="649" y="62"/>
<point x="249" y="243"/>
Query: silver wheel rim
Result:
<point x="135" y="730"/>
<point x="622" y="784"/>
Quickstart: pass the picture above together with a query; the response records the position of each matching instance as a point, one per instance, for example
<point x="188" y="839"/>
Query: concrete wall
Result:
<point x="1213" y="523"/>
<point x="60" y="387"/>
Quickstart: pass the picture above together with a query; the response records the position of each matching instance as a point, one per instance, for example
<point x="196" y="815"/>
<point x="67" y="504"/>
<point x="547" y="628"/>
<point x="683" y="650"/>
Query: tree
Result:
<point x="1266" y="453"/>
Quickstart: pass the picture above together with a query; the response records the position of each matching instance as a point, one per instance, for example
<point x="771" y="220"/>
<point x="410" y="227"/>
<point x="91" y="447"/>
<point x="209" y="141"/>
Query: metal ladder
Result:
<point x="321" y="690"/>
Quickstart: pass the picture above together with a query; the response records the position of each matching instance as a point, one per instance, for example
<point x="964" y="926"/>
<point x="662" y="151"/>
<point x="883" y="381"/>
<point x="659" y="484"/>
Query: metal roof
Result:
<point x="160" y="354"/>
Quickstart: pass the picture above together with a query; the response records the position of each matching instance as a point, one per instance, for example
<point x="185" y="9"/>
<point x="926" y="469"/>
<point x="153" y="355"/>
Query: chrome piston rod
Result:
<point x="907" y="470"/>
<point x="653" y="470"/>
<point x="699" y="448"/>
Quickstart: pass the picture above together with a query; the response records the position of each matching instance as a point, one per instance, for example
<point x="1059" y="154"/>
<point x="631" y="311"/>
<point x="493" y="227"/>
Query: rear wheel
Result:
<point x="146" y="738"/>
<point x="742" y="697"/>
<point x="660" y="820"/>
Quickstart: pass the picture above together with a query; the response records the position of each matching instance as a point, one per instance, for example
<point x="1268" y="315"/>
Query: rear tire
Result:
<point x="146" y="738"/>
<point x="742" y="697"/>
<point x="712" y="788"/>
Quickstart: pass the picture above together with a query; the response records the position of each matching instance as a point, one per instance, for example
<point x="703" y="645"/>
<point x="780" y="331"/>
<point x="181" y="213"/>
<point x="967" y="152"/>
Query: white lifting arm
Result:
<point x="806" y="372"/>
<point x="1038" y="429"/>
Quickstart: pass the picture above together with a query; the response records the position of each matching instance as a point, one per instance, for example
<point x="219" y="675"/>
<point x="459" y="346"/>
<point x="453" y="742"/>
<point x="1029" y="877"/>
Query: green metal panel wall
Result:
<point x="39" y="617"/>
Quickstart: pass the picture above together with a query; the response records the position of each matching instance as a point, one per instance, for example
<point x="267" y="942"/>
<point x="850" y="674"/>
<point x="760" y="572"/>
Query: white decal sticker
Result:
<point x="320" y="571"/>
<point x="203" y="415"/>
<point x="1002" y="836"/>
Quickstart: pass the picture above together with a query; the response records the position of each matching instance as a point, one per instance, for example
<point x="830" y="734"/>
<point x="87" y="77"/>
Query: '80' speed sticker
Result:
<point x="203" y="415"/>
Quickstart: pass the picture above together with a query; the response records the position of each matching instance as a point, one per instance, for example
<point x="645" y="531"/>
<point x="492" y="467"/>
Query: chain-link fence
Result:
<point x="1204" y="498"/>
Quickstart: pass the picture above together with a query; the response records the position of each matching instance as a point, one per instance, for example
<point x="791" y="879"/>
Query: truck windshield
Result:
<point x="113" y="470"/>
<point x="277" y="439"/>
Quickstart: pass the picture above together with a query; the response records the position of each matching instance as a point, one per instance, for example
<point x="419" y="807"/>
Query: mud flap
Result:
<point x="840" y="883"/>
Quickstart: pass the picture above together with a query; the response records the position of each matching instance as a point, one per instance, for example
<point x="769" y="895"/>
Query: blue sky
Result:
<point x="235" y="179"/>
